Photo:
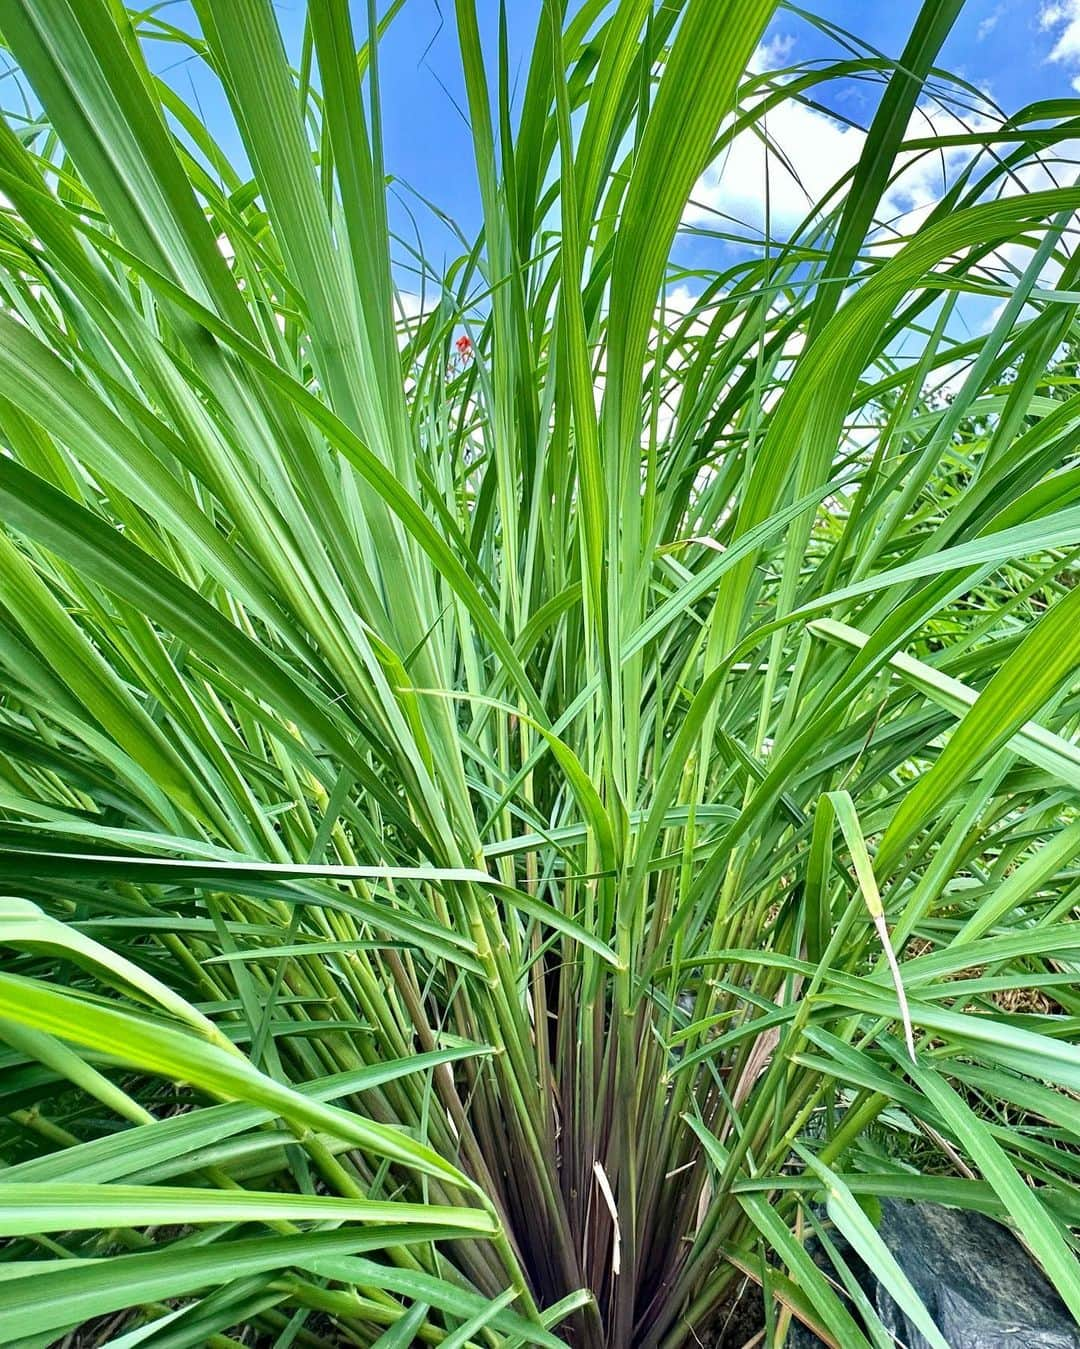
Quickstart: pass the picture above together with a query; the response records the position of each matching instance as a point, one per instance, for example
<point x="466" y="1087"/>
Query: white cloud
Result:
<point x="771" y="54"/>
<point x="810" y="152"/>
<point x="797" y="155"/>
<point x="922" y="177"/>
<point x="409" y="305"/>
<point x="1061" y="18"/>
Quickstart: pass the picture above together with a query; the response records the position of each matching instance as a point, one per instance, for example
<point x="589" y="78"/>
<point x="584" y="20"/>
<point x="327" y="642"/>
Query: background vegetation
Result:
<point x="500" y="832"/>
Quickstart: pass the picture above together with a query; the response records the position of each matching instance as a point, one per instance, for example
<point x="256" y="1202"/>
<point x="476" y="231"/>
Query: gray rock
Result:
<point x="975" y="1279"/>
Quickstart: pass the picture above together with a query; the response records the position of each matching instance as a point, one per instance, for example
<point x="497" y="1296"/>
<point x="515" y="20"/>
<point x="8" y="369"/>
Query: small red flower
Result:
<point x="464" y="346"/>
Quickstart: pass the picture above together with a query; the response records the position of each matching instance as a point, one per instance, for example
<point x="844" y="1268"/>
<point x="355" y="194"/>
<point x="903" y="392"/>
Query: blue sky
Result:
<point x="1019" y="51"/>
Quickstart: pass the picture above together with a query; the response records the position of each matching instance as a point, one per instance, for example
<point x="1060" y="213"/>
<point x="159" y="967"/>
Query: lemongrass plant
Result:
<point x="506" y="838"/>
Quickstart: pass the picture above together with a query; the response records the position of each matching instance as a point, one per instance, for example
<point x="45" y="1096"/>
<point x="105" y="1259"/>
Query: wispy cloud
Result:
<point x="987" y="25"/>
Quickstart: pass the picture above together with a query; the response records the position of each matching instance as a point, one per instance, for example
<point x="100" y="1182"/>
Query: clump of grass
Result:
<point x="461" y="800"/>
